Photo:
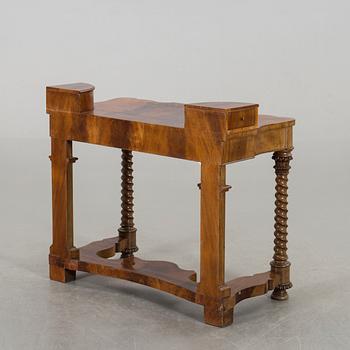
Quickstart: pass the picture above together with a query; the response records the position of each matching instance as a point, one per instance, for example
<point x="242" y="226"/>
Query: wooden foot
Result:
<point x="280" y="265"/>
<point x="280" y="293"/>
<point x="216" y="314"/>
<point x="61" y="274"/>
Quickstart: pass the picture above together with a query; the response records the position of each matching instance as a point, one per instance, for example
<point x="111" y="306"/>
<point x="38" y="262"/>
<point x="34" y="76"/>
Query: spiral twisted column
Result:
<point x="280" y="264"/>
<point x="127" y="228"/>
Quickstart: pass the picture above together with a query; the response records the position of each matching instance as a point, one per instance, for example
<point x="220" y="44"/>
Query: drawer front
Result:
<point x="242" y="118"/>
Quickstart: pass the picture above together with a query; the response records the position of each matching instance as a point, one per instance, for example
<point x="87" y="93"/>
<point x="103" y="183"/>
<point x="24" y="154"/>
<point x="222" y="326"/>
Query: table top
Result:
<point x="167" y="113"/>
<point x="216" y="132"/>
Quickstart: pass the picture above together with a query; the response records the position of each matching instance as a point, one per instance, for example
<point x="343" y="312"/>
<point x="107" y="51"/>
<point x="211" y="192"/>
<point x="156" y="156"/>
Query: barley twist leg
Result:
<point x="280" y="264"/>
<point x="127" y="228"/>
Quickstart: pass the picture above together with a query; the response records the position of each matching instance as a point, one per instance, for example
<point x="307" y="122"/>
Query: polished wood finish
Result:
<point x="212" y="133"/>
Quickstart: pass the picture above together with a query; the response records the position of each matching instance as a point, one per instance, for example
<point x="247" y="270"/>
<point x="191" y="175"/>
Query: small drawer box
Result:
<point x="242" y="118"/>
<point x="235" y="115"/>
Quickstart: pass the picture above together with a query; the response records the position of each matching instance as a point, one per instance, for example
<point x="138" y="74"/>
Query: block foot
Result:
<point x="216" y="315"/>
<point x="61" y="274"/>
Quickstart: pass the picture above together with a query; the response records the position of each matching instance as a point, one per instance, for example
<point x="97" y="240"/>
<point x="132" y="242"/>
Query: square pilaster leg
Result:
<point x="62" y="210"/>
<point x="212" y="246"/>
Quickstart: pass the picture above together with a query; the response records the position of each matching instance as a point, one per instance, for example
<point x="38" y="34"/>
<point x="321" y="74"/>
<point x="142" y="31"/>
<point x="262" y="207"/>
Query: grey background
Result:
<point x="290" y="57"/>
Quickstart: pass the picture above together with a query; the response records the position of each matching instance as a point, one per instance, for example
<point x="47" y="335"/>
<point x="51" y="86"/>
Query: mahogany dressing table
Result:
<point x="214" y="134"/>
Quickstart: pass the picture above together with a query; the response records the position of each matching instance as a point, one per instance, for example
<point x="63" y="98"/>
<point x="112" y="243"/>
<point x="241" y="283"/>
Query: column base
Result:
<point x="280" y="292"/>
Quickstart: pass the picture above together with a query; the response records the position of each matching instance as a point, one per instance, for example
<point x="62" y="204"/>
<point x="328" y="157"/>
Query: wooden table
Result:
<point x="214" y="134"/>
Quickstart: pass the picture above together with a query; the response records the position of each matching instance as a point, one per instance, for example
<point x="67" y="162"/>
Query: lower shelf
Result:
<point x="97" y="258"/>
<point x="162" y="275"/>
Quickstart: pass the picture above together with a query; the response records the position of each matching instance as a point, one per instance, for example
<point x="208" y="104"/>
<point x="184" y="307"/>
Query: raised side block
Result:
<point x="224" y="116"/>
<point x="73" y="98"/>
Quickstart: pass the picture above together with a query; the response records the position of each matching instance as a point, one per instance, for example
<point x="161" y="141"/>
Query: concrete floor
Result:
<point x="103" y="313"/>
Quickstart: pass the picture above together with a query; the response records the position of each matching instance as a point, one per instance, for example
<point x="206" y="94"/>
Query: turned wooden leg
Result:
<point x="280" y="264"/>
<point x="212" y="246"/>
<point x="62" y="210"/>
<point x="127" y="231"/>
